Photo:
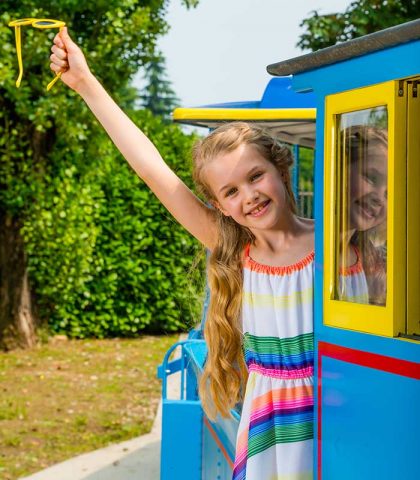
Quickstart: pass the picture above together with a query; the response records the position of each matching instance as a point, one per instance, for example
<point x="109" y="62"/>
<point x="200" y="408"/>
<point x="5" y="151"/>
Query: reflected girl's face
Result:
<point x="368" y="189"/>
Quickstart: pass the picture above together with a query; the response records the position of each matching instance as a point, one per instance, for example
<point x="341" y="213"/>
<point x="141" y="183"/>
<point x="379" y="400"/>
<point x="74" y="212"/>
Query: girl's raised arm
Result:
<point x="138" y="150"/>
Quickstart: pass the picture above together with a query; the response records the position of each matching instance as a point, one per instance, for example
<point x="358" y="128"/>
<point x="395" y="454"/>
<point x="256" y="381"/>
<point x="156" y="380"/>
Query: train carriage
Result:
<point x="367" y="330"/>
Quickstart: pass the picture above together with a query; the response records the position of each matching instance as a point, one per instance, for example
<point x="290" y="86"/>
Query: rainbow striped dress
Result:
<point x="275" y="436"/>
<point x="352" y="283"/>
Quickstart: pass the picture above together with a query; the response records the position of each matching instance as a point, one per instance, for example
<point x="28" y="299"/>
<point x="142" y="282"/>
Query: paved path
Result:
<point x="136" y="459"/>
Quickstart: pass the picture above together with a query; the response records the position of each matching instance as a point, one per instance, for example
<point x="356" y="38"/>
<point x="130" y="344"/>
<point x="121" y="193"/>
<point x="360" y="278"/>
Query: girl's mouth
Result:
<point x="368" y="209"/>
<point x="260" y="209"/>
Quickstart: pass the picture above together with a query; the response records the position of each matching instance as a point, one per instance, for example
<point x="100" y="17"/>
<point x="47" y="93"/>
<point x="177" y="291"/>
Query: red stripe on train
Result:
<point x="218" y="442"/>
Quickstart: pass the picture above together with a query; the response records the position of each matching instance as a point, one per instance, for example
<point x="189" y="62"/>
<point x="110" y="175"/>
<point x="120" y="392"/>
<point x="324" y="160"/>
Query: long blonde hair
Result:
<point x="225" y="372"/>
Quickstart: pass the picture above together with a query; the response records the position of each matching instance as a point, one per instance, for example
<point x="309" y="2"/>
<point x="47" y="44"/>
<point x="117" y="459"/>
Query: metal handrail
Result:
<point x="178" y="365"/>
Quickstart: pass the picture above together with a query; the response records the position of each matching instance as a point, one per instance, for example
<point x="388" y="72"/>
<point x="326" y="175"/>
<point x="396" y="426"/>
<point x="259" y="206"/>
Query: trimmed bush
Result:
<point x="105" y="258"/>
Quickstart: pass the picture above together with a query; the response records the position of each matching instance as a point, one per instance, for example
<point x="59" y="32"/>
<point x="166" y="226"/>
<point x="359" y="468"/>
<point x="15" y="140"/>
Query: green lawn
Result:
<point x="70" y="397"/>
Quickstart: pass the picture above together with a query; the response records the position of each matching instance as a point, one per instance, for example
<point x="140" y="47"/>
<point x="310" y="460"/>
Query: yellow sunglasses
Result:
<point x="37" y="23"/>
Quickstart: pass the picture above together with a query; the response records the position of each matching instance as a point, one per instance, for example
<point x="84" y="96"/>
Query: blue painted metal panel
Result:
<point x="392" y="63"/>
<point x="215" y="465"/>
<point x="280" y="94"/>
<point x="370" y="423"/>
<point x="390" y="347"/>
<point x="181" y="453"/>
<point x="191" y="382"/>
<point x="196" y="353"/>
<point x="277" y="94"/>
<point x="219" y="455"/>
<point x="226" y="430"/>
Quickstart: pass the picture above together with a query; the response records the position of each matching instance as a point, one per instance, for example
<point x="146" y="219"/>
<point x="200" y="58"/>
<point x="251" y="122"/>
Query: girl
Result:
<point x="260" y="275"/>
<point x="364" y="237"/>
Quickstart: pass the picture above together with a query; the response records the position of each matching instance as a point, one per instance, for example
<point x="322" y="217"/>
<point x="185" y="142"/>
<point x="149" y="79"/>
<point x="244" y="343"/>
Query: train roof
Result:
<point x="373" y="42"/>
<point x="289" y="115"/>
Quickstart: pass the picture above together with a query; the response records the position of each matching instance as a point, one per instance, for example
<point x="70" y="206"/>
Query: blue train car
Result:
<point x="367" y="174"/>
<point x="367" y="327"/>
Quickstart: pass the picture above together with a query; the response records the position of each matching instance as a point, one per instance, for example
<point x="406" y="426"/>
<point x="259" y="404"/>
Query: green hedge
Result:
<point x="104" y="257"/>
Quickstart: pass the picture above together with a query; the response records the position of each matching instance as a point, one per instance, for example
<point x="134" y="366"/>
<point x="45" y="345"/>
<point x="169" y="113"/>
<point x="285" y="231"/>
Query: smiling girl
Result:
<point x="259" y="329"/>
<point x="363" y="249"/>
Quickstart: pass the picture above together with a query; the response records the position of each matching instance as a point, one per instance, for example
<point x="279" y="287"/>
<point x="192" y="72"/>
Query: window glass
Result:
<point x="361" y="210"/>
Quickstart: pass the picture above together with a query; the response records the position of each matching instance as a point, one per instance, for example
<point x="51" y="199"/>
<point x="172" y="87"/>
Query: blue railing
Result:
<point x="193" y="447"/>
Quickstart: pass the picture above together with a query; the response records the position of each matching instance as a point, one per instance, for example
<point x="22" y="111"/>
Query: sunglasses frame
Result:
<point x="40" y="23"/>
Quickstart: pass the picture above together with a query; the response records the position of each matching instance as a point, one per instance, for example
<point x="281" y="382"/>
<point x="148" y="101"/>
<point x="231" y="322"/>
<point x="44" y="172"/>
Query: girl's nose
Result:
<point x="252" y="195"/>
<point x="382" y="192"/>
<point x="385" y="193"/>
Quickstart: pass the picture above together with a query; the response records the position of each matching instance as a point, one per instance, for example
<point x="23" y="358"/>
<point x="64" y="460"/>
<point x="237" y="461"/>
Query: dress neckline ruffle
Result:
<point x="255" y="266"/>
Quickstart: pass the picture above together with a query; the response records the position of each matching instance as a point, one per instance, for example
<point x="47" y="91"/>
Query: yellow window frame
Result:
<point x="413" y="206"/>
<point x="388" y="320"/>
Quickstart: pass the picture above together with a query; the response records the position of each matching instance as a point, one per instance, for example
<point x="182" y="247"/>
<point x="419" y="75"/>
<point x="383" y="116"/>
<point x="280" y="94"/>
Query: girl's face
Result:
<point x="368" y="189"/>
<point x="248" y="188"/>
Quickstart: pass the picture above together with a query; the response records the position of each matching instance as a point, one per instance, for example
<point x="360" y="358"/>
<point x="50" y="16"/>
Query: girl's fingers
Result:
<point x="58" y="41"/>
<point x="59" y="53"/>
<point x="58" y="61"/>
<point x="57" y="69"/>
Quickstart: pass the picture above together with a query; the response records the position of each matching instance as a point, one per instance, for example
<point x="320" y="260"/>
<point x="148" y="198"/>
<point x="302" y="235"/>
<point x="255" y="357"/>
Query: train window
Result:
<point x="365" y="210"/>
<point x="362" y="189"/>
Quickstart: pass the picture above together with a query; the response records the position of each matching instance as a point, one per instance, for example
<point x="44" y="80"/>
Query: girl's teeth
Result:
<point x="258" y="209"/>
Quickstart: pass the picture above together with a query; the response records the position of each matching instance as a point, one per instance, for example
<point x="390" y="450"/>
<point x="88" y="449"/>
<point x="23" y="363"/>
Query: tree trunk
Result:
<point x="17" y="319"/>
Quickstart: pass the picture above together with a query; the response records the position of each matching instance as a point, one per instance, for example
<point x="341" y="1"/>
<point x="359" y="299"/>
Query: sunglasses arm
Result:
<point x="18" y="39"/>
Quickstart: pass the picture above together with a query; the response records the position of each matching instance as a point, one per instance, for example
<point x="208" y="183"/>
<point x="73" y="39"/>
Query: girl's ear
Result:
<point x="217" y="205"/>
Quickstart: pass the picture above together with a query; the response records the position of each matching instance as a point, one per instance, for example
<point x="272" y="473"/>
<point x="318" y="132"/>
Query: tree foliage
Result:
<point x="360" y="18"/>
<point x="102" y="256"/>
<point x="159" y="96"/>
<point x="105" y="256"/>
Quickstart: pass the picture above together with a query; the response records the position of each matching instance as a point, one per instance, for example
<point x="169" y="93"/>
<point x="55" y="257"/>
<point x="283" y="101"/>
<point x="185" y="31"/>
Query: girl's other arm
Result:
<point x="138" y="150"/>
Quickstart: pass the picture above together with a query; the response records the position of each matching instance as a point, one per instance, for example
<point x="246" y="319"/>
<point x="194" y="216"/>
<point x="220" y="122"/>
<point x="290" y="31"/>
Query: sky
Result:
<point x="219" y="51"/>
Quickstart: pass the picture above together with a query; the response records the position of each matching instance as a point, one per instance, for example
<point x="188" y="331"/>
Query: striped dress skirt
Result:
<point x="275" y="436"/>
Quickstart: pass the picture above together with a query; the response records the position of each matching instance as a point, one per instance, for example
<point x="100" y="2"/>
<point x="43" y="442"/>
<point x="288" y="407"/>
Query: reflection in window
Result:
<point x="361" y="230"/>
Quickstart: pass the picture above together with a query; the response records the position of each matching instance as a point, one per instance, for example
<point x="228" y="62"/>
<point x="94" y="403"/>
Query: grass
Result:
<point x="69" y="397"/>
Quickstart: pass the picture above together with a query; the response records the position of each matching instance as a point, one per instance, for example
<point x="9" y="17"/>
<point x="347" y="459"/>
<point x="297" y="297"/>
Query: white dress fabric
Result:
<point x="275" y="436"/>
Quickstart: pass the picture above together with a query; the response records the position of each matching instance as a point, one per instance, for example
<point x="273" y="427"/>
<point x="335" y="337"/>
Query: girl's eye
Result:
<point x="255" y="176"/>
<point x="230" y="192"/>
<point x="371" y="178"/>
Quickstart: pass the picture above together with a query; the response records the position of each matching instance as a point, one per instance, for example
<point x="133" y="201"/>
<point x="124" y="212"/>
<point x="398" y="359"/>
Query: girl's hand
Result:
<point x="68" y="59"/>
